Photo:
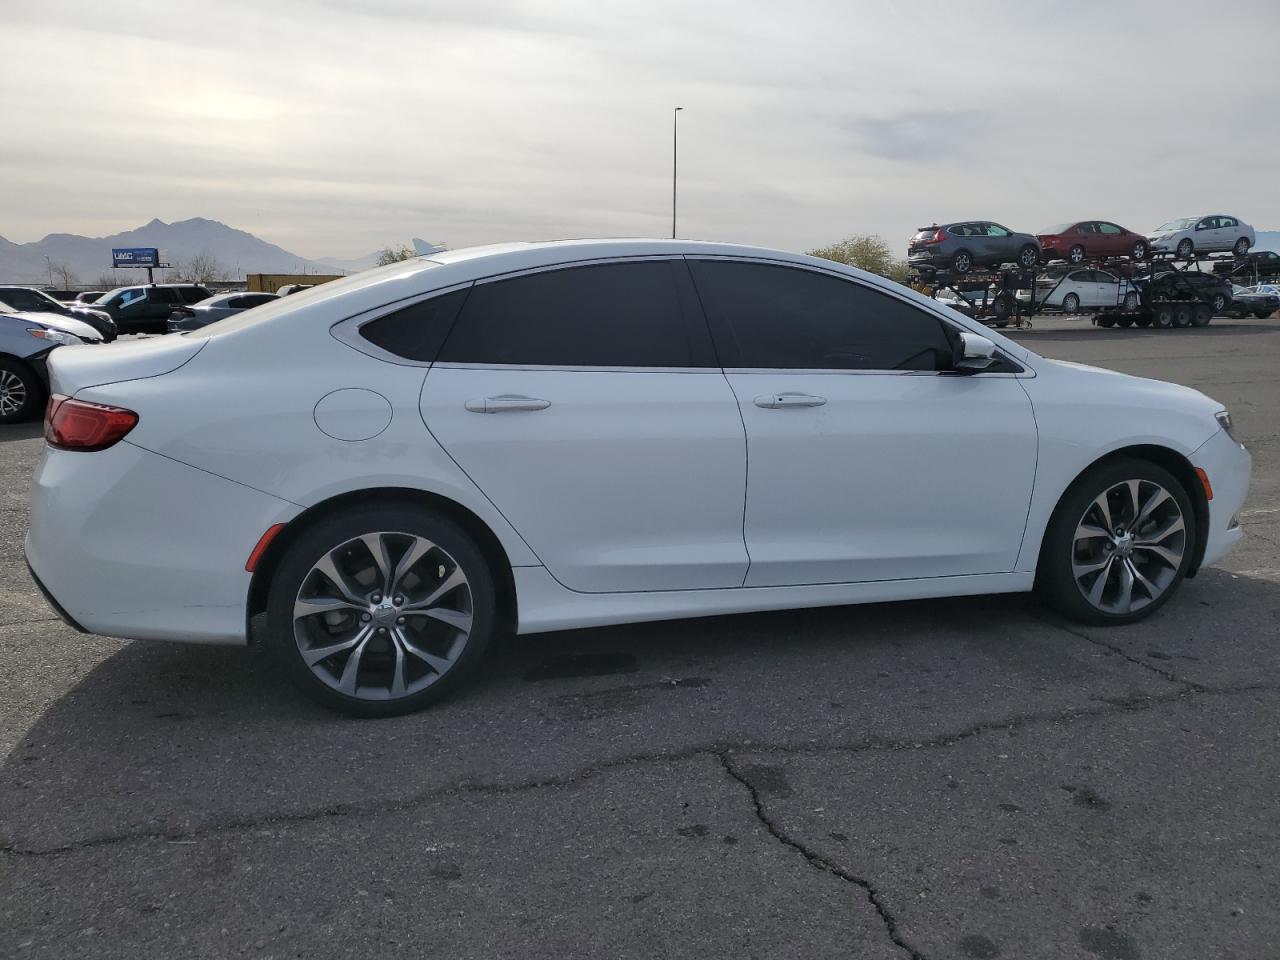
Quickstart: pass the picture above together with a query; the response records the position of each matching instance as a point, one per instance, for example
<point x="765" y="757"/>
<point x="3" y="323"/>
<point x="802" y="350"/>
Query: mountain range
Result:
<point x="89" y="258"/>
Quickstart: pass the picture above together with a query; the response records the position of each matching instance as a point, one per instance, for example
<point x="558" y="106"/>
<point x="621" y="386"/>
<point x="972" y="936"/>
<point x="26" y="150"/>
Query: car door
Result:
<point x="1110" y="239"/>
<point x="1106" y="289"/>
<point x="868" y="460"/>
<point x="1207" y="235"/>
<point x="1001" y="246"/>
<point x="586" y="403"/>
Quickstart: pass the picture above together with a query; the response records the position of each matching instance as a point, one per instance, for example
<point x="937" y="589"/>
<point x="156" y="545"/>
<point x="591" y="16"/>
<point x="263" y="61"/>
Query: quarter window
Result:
<point x="415" y="332"/>
<point x="630" y="314"/>
<point x="787" y="318"/>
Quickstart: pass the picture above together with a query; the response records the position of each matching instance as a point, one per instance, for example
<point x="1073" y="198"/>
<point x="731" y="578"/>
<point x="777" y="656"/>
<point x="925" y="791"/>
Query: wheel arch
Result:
<point x="1170" y="460"/>
<point x="486" y="541"/>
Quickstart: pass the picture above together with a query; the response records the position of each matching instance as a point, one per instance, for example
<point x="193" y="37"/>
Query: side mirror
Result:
<point x="973" y="353"/>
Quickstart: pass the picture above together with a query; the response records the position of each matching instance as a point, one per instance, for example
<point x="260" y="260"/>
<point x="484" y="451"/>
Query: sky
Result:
<point x="337" y="127"/>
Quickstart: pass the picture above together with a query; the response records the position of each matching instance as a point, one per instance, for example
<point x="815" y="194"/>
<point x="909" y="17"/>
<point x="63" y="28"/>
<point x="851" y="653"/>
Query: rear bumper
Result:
<point x="1228" y="465"/>
<point x="930" y="256"/>
<point x="127" y="543"/>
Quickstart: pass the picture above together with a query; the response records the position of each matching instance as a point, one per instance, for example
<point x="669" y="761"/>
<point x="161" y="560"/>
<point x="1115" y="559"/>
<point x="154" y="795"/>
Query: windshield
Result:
<point x="21" y="298"/>
<point x="1186" y="223"/>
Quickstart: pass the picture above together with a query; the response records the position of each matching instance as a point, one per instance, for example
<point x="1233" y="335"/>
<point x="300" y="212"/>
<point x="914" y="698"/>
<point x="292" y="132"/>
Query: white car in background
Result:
<point x="1072" y="290"/>
<point x="381" y="473"/>
<point x="1216" y="233"/>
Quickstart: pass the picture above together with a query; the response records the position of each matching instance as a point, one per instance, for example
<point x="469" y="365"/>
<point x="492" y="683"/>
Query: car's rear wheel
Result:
<point x="1071" y="303"/>
<point x="1076" y="254"/>
<point x="1241" y="247"/>
<point x="21" y="392"/>
<point x="381" y="611"/>
<point x="962" y="262"/>
<point x="1028" y="257"/>
<point x="1119" y="543"/>
<point x="1201" y="316"/>
<point x="1186" y="248"/>
<point x="1139" y="251"/>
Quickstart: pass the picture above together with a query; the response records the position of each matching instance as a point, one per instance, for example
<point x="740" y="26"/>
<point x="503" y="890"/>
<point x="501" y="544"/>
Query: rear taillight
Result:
<point x="80" y="425"/>
<point x="936" y="238"/>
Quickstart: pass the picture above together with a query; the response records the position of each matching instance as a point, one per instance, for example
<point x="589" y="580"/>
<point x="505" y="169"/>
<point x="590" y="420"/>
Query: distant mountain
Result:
<point x="89" y="258"/>
<point x="1268" y="240"/>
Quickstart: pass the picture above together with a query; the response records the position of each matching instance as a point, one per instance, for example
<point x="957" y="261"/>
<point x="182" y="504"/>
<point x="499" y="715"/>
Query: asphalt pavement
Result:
<point x="954" y="779"/>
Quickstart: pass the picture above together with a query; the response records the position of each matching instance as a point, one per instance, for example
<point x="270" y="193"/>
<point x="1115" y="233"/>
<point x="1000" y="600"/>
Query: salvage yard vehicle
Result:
<point x="215" y="308"/>
<point x="973" y="243"/>
<point x="1090" y="240"/>
<point x="31" y="300"/>
<point x="1254" y="301"/>
<point x="146" y="308"/>
<point x="1195" y="235"/>
<point x="548" y="436"/>
<point x="1086" y="289"/>
<point x="26" y="340"/>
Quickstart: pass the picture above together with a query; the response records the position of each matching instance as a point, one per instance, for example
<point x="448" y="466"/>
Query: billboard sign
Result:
<point x="138" y="257"/>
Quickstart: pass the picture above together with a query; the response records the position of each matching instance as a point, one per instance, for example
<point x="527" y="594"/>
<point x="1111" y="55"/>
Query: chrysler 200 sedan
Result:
<point x="376" y="475"/>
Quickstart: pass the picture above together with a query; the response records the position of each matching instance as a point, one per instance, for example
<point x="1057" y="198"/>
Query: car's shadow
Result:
<point x="29" y="430"/>
<point x="168" y="737"/>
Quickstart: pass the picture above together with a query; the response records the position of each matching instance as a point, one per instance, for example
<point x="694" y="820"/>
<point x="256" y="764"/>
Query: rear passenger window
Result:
<point x="416" y="332"/>
<point x="788" y="318"/>
<point x="605" y="315"/>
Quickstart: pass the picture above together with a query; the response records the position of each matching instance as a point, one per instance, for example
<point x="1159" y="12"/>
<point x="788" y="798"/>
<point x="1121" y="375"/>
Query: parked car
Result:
<point x="555" y="435"/>
<point x="1212" y="288"/>
<point x="1262" y="264"/>
<point x="215" y="308"/>
<point x="146" y="309"/>
<point x="1212" y="234"/>
<point x="1085" y="289"/>
<point x="291" y="288"/>
<point x="26" y="340"/>
<point x="88" y="296"/>
<point x="974" y="243"/>
<point x="1257" y="301"/>
<point x="1090" y="239"/>
<point x="31" y="300"/>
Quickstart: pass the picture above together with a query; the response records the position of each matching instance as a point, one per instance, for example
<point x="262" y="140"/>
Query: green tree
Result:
<point x="867" y="251"/>
<point x="395" y="254"/>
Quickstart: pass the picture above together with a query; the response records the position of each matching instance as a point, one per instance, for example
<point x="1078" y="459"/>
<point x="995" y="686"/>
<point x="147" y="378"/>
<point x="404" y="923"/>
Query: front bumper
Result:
<point x="1228" y="466"/>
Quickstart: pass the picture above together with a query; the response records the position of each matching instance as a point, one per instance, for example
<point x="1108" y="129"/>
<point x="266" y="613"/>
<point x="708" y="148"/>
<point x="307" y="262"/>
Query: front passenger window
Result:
<point x="788" y="318"/>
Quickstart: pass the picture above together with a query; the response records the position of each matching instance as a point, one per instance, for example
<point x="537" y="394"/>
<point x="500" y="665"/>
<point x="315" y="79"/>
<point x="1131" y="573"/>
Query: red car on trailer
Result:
<point x="1090" y="240"/>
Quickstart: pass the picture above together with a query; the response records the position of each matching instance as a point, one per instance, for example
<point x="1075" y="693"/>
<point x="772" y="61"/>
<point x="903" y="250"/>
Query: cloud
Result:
<point x="923" y="136"/>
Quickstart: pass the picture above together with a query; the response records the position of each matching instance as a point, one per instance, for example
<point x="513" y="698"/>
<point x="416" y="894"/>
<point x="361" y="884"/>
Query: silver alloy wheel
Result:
<point x="383" y="616"/>
<point x="1128" y="546"/>
<point x="13" y="392"/>
<point x="1076" y="255"/>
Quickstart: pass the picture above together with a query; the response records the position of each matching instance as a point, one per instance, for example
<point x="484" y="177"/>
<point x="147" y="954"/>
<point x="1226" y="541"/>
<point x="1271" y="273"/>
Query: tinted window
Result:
<point x="163" y="295"/>
<point x="256" y="299"/>
<point x="995" y="230"/>
<point x="416" y="332"/>
<point x="1110" y="228"/>
<point x="191" y="294"/>
<point x="607" y="315"/>
<point x="783" y="317"/>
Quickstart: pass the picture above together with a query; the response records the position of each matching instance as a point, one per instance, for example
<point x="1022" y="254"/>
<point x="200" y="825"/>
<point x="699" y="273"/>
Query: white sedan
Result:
<point x="1088" y="289"/>
<point x="380" y="473"/>
<point x="1189" y="236"/>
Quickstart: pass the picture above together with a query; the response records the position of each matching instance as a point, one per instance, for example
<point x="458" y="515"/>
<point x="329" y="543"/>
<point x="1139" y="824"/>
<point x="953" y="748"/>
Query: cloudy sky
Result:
<point x="333" y="127"/>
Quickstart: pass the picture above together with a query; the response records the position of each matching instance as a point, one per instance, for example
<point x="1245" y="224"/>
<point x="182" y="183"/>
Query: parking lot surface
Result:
<point x="971" y="778"/>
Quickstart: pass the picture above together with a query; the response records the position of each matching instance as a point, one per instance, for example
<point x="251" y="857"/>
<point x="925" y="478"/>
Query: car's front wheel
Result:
<point x="1028" y="257"/>
<point x="380" y="611"/>
<point x="1118" y="544"/>
<point x="21" y="392"/>
<point x="1139" y="251"/>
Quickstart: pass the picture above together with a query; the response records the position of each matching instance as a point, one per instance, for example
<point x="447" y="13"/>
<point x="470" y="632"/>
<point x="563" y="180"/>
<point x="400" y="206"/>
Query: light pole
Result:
<point x="49" y="263"/>
<point x="675" y="157"/>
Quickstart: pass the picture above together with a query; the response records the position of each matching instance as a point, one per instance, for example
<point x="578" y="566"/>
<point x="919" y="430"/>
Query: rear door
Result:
<point x="587" y="403"/>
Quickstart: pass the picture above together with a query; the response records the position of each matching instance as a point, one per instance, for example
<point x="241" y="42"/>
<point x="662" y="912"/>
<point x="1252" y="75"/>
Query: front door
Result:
<point x="867" y="460"/>
<point x="587" y="404"/>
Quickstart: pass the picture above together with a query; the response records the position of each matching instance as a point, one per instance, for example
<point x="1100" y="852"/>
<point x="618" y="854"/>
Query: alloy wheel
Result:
<point x="1128" y="546"/>
<point x="383" y="616"/>
<point x="13" y="393"/>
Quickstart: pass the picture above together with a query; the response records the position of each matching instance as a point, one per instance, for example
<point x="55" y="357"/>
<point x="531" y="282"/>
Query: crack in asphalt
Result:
<point x="359" y="808"/>
<point x="819" y="862"/>
<point x="1136" y="661"/>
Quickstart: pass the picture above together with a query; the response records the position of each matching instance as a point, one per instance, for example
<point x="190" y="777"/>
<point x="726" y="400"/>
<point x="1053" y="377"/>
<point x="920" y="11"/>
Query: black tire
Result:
<point x="1201" y="316"/>
<point x="1105" y="321"/>
<point x="1002" y="307"/>
<point x="1143" y="320"/>
<point x="1055" y="582"/>
<point x="1076" y="254"/>
<point x="1262" y="314"/>
<point x="22" y="393"/>
<point x="1218" y="303"/>
<point x="1071" y="303"/>
<point x="1139" y="251"/>
<point x="1186" y="248"/>
<point x="1241" y="247"/>
<point x="962" y="262"/>
<point x="1028" y="257"/>
<point x="1162" y="316"/>
<point x="1124" y="321"/>
<point x="332" y="532"/>
<point x="1182" y="315"/>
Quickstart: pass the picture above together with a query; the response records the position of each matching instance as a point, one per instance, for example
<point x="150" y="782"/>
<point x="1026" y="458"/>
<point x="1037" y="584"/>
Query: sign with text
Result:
<point x="138" y="257"/>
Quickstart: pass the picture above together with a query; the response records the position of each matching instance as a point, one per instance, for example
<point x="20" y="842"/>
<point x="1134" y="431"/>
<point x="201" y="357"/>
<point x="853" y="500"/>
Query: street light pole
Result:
<point x="675" y="156"/>
<point x="49" y="263"/>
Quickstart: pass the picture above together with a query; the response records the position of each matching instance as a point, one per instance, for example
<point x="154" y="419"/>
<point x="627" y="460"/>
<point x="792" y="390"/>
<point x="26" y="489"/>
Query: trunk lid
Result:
<point x="75" y="368"/>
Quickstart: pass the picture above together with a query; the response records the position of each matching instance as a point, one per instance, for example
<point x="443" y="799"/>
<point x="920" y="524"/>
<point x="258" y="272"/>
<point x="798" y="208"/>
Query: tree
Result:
<point x="868" y="251"/>
<point x="201" y="268"/>
<point x="65" y="276"/>
<point x="395" y="254"/>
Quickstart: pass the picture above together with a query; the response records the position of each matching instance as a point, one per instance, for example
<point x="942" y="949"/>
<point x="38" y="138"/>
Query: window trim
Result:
<point x="348" y="331"/>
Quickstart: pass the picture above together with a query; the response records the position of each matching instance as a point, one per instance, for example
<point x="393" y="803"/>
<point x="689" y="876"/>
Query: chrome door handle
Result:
<point x="776" y="401"/>
<point x="505" y="403"/>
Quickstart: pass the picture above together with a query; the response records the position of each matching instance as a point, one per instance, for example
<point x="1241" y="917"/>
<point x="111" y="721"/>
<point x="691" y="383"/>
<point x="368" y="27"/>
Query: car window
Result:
<point x="20" y="298"/>
<point x="1207" y="223"/>
<point x="416" y="332"/>
<point x="1226" y="221"/>
<point x="256" y="299"/>
<point x="164" y="295"/>
<point x="995" y="230"/>
<point x="630" y="314"/>
<point x="1087" y="227"/>
<point x="191" y="294"/>
<point x="770" y="316"/>
<point x="1080" y="276"/>
<point x="130" y="297"/>
<point x="1101" y="276"/>
<point x="1109" y="228"/>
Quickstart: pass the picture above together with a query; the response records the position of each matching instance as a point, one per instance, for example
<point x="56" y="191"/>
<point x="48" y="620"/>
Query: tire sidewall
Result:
<point x="329" y="532"/>
<point x="1055" y="582"/>
<point x="35" y="399"/>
